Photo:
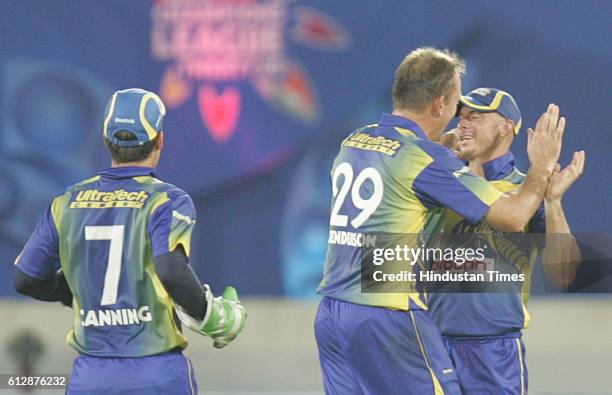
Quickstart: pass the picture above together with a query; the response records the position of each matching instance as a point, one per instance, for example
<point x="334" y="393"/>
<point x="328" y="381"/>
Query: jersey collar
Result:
<point x="499" y="168"/>
<point x="126" y="172"/>
<point x="393" y="121"/>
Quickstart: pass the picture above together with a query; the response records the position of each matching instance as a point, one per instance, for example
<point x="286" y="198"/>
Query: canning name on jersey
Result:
<point x="492" y="313"/>
<point x="104" y="233"/>
<point x="390" y="178"/>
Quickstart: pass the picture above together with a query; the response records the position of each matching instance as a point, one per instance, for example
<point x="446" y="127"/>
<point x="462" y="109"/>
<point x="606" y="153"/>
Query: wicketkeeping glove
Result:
<point x="224" y="319"/>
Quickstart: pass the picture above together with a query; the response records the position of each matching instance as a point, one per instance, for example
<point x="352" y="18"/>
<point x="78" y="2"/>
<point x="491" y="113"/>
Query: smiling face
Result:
<point x="482" y="135"/>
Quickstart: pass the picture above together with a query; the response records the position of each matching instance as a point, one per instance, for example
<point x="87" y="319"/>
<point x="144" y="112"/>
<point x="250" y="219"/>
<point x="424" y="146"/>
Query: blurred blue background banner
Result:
<point x="259" y="95"/>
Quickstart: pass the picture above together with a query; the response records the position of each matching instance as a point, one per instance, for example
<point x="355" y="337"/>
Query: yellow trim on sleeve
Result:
<point x="158" y="201"/>
<point x="58" y="206"/>
<point x="183" y="239"/>
<point x="504" y="186"/>
<point x="490" y="199"/>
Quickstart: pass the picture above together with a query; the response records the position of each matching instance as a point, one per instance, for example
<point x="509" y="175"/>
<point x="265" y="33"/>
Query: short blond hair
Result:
<point x="425" y="74"/>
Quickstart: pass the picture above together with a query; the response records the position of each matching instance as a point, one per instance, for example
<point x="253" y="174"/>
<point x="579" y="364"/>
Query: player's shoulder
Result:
<point x="177" y="198"/>
<point x="371" y="140"/>
<point x="67" y="192"/>
<point x="156" y="185"/>
<point x="385" y="140"/>
<point x="440" y="155"/>
<point x="81" y="184"/>
<point x="434" y="149"/>
<point x="373" y="134"/>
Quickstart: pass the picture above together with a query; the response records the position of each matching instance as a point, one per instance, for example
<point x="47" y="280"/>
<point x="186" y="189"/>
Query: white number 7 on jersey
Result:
<point x="114" y="233"/>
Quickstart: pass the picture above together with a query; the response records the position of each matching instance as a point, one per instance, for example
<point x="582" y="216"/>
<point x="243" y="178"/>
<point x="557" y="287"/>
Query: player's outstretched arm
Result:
<point x="221" y="318"/>
<point x="561" y="255"/>
<point x="513" y="211"/>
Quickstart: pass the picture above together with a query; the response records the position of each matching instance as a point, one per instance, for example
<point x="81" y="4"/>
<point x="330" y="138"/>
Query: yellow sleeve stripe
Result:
<point x="490" y="198"/>
<point x="158" y="201"/>
<point x="58" y="206"/>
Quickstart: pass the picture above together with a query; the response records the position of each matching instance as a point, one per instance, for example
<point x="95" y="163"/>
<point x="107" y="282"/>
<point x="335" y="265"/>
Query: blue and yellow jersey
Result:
<point x="390" y="178"/>
<point x="491" y="313"/>
<point x="104" y="233"/>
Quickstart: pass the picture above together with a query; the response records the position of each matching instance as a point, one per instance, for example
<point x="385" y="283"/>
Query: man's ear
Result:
<point x="159" y="143"/>
<point x="437" y="106"/>
<point x="507" y="127"/>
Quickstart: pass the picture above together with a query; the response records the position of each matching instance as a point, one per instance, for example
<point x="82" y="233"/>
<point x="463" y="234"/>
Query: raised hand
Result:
<point x="561" y="180"/>
<point x="544" y="143"/>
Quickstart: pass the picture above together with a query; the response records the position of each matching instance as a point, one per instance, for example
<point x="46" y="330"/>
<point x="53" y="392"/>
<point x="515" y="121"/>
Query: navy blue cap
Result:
<point x="134" y="110"/>
<point x="494" y="100"/>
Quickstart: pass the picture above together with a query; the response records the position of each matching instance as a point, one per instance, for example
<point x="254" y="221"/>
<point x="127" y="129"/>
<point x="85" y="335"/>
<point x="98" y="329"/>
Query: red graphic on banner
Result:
<point x="219" y="112"/>
<point x="295" y="95"/>
<point x="315" y="29"/>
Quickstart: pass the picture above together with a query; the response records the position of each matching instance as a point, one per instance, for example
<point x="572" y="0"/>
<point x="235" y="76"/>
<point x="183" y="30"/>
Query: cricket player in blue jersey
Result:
<point x="482" y="331"/>
<point x="115" y="247"/>
<point x="393" y="177"/>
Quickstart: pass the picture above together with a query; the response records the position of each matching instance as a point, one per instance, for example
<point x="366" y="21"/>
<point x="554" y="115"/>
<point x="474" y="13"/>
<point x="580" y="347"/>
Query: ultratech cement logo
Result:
<point x="366" y="142"/>
<point x="92" y="198"/>
<point x="212" y="42"/>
